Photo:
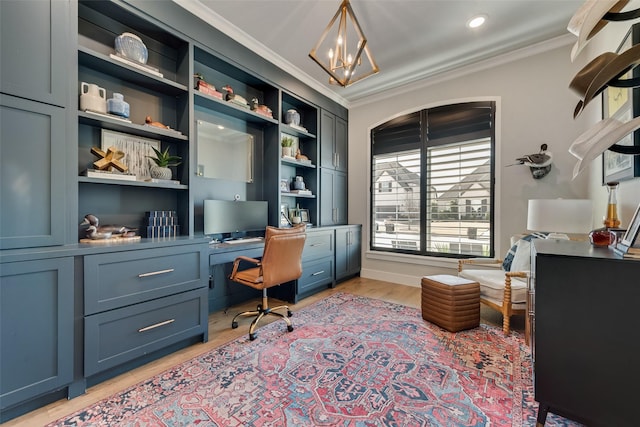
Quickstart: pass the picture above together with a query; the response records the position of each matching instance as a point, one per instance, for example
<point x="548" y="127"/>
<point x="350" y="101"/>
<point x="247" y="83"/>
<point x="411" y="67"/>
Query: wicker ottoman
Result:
<point x="451" y="302"/>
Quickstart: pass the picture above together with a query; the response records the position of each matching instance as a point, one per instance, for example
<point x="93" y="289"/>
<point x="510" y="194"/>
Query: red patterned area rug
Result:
<point x="350" y="361"/>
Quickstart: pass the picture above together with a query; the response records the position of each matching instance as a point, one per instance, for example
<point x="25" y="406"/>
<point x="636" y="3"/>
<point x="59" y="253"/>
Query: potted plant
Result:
<point x="287" y="146"/>
<point x="163" y="160"/>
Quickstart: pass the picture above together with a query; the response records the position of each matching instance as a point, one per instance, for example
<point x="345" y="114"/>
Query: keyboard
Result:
<point x="245" y="240"/>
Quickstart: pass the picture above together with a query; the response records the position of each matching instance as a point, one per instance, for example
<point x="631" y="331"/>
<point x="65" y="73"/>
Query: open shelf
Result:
<point x="230" y="109"/>
<point x="107" y="65"/>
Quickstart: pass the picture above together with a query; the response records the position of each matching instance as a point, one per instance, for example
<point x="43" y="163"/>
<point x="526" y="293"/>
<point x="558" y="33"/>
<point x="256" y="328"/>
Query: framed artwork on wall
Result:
<point x="623" y="104"/>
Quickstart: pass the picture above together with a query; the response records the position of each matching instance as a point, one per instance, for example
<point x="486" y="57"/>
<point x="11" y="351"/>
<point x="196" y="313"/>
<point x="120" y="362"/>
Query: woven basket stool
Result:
<point x="451" y="302"/>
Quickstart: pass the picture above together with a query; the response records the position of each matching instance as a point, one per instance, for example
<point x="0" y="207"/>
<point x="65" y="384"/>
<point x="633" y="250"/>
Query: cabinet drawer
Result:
<point x="118" y="336"/>
<point x="318" y="245"/>
<point x="315" y="274"/>
<point x="118" y="279"/>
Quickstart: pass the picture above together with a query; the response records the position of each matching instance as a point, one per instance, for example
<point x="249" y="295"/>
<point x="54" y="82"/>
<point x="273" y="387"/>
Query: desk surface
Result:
<point x="221" y="253"/>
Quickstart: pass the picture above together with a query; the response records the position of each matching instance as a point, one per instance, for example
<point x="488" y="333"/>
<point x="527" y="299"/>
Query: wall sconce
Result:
<point x="344" y="43"/>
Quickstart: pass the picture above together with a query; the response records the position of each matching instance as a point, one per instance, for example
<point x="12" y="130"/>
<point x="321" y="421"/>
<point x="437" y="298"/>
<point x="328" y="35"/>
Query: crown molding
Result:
<point x="382" y="92"/>
<point x="215" y="20"/>
<point x="385" y="87"/>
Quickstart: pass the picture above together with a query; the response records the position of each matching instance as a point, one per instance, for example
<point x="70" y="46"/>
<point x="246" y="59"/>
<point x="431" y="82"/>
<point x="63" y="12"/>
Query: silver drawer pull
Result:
<point x="317" y="244"/>
<point x="157" y="325"/>
<point x="317" y="273"/>
<point x="154" y="273"/>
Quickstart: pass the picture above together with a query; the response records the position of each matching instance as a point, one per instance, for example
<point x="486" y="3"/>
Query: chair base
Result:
<point x="261" y="311"/>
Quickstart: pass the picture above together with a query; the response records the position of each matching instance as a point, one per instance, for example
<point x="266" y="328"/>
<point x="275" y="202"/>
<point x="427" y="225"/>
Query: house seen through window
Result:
<point x="432" y="176"/>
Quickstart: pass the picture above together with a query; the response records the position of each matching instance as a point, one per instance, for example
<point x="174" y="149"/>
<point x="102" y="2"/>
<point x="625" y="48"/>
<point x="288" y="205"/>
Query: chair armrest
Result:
<point x="522" y="274"/>
<point x="492" y="263"/>
<point x="507" y="283"/>
<point x="236" y="264"/>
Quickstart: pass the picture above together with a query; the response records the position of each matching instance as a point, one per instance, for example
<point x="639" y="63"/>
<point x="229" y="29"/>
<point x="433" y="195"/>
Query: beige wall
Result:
<point x="535" y="106"/>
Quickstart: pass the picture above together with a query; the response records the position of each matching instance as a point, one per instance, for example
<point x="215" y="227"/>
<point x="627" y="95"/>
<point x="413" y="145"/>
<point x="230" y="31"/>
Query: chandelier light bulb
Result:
<point x="339" y="40"/>
<point x="331" y="53"/>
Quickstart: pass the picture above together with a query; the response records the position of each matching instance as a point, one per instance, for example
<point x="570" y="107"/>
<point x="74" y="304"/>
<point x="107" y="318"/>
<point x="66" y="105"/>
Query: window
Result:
<point x="385" y="187"/>
<point x="432" y="172"/>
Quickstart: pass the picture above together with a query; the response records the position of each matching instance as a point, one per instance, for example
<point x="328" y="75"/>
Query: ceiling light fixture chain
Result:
<point x="341" y="64"/>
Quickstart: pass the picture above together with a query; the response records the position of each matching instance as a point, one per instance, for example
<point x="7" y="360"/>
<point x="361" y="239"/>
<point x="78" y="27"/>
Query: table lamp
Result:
<point x="559" y="216"/>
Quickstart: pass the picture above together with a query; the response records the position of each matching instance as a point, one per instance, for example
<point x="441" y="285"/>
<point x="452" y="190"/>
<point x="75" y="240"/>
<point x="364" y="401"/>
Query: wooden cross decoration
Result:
<point x="109" y="159"/>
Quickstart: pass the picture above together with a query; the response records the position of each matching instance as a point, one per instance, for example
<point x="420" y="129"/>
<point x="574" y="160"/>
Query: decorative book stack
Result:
<point x="162" y="224"/>
<point x="104" y="174"/>
<point x="209" y="89"/>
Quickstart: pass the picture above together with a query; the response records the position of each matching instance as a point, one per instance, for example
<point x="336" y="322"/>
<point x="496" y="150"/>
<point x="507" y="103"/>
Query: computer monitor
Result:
<point x="225" y="217"/>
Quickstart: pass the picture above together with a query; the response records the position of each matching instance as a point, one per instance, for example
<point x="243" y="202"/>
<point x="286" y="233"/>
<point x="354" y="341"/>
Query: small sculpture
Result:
<point x="235" y="98"/>
<point x="95" y="231"/>
<point x="300" y="156"/>
<point x="109" y="160"/>
<point x="261" y="108"/>
<point x="539" y="163"/>
<point x="149" y="121"/>
<point x="94" y="234"/>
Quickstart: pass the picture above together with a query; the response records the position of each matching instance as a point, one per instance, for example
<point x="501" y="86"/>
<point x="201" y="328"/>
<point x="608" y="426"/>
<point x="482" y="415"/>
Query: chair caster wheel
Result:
<point x="259" y="307"/>
<point x="289" y="313"/>
<point x="234" y="325"/>
<point x="252" y="337"/>
<point x="289" y="328"/>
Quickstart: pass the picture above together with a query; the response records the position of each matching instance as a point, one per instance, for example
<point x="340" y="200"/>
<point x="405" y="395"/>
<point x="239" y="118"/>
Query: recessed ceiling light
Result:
<point x="476" y="21"/>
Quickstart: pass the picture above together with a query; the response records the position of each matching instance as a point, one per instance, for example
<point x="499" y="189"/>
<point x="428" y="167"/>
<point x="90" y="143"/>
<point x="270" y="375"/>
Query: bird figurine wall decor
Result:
<point x="539" y="163"/>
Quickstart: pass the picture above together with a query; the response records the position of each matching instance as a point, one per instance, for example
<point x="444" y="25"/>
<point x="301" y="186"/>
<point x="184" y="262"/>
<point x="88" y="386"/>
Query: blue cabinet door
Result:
<point x="33" y="168"/>
<point x="36" y="328"/>
<point x="34" y="49"/>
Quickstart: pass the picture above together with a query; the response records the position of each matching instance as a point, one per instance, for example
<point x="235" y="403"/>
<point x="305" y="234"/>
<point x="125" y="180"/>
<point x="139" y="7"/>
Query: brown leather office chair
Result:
<point x="281" y="263"/>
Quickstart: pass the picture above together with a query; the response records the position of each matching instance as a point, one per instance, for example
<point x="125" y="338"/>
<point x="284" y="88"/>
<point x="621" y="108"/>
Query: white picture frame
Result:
<point x="135" y="149"/>
<point x="630" y="236"/>
<point x="284" y="186"/>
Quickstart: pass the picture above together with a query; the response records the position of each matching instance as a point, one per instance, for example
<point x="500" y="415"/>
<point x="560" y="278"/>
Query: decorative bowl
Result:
<point x="131" y="46"/>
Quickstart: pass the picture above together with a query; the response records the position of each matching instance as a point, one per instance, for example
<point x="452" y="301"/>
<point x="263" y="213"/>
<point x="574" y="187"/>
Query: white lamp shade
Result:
<point x="571" y="216"/>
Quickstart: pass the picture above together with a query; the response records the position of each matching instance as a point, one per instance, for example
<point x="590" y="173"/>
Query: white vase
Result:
<point x="159" y="172"/>
<point x="287" y="151"/>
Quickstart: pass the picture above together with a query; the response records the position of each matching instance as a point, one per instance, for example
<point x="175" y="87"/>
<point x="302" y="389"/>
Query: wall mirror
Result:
<point x="224" y="153"/>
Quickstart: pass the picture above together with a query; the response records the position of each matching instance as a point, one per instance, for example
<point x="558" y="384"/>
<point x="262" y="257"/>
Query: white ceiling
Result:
<point x="409" y="39"/>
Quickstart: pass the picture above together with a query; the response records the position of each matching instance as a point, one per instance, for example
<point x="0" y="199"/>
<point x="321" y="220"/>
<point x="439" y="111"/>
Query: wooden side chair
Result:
<point x="280" y="263"/>
<point x="502" y="289"/>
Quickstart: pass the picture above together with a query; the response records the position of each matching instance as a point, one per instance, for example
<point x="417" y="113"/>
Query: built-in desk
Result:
<point x="323" y="251"/>
<point x="222" y="253"/>
<point x="224" y="293"/>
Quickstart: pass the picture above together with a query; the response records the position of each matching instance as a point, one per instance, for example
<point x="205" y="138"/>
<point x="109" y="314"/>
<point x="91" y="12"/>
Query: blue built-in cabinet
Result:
<point x="33" y="97"/>
<point x="65" y="305"/>
<point x="36" y="328"/>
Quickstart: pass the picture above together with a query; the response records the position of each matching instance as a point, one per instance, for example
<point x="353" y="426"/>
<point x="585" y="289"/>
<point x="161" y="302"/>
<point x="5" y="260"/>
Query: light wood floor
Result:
<point x="220" y="332"/>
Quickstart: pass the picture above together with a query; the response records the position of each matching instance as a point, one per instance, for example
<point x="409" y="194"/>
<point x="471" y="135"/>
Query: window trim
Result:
<point x="431" y="258"/>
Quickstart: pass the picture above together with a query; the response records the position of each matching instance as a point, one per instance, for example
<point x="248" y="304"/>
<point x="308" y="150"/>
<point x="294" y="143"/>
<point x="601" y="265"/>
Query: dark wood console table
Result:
<point x="585" y="325"/>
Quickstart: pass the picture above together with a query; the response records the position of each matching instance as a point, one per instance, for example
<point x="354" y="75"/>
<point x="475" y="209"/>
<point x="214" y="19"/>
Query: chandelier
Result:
<point x="344" y="43"/>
